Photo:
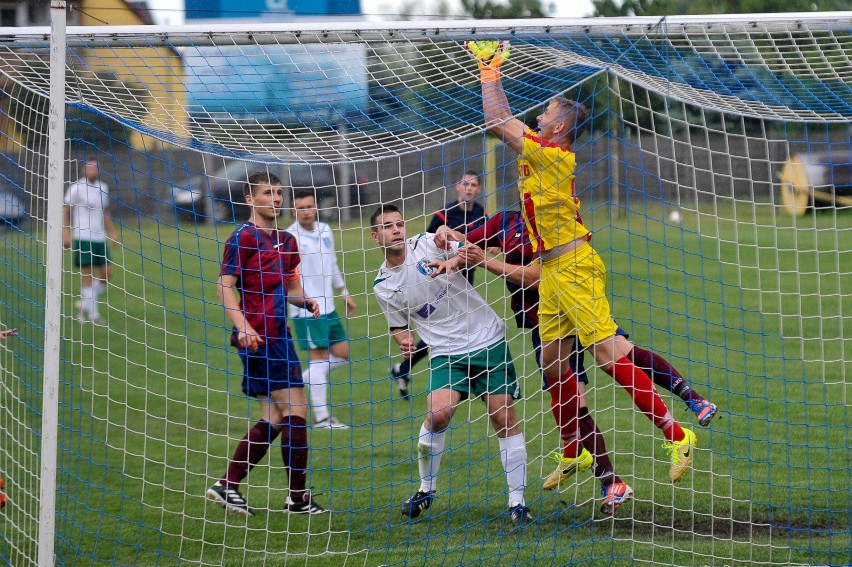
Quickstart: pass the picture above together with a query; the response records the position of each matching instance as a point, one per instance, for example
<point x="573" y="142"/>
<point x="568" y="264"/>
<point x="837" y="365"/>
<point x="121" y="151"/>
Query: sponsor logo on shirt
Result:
<point x="426" y="310"/>
<point x="424" y="268"/>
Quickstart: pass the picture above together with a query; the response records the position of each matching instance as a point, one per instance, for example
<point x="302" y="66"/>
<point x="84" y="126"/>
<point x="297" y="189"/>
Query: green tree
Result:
<point x="615" y="8"/>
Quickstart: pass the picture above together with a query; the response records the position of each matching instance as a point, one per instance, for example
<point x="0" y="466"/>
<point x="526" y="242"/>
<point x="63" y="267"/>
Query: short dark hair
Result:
<point x="382" y="210"/>
<point x="257" y="179"/>
<point x="473" y="173"/>
<point x="303" y="192"/>
<point x="577" y="112"/>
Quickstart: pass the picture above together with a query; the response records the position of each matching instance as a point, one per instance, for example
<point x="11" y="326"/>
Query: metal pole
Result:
<point x="344" y="179"/>
<point x="52" y="287"/>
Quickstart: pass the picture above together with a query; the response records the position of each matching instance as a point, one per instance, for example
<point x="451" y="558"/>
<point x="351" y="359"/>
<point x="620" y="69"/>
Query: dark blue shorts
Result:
<point x="578" y="353"/>
<point x="273" y="366"/>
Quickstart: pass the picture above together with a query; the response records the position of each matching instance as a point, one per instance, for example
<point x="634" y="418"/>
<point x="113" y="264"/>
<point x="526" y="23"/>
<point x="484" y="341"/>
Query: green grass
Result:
<point x="750" y="307"/>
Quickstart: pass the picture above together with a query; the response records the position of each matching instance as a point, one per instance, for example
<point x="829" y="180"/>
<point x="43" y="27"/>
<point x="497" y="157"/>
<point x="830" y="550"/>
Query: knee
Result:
<point x="438" y="421"/>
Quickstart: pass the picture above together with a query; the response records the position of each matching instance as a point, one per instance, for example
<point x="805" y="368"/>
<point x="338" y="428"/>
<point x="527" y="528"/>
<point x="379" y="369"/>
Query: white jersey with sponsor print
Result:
<point x="320" y="273"/>
<point x="447" y="313"/>
<point x="88" y="202"/>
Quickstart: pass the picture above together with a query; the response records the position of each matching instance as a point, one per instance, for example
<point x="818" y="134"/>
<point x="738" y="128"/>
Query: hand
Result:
<point x="249" y="339"/>
<point x="351" y="306"/>
<point x="312" y="306"/>
<point x="489" y="55"/>
<point x="6" y="333"/>
<point x="444" y="266"/>
<point x="471" y="255"/>
<point x="66" y="241"/>
<point x="408" y="345"/>
<point x="443" y="236"/>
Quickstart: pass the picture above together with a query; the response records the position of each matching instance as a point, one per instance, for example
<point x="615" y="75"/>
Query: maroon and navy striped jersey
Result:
<point x="506" y="230"/>
<point x="263" y="262"/>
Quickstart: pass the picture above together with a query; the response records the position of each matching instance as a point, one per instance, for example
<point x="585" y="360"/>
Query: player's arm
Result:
<point x="66" y="225"/>
<point x="296" y="295"/>
<point x="490" y="55"/>
<point x="523" y="276"/>
<point x="111" y="228"/>
<point x="438" y="220"/>
<point x="404" y="337"/>
<point x="247" y="336"/>
<point x="444" y="235"/>
<point x="340" y="285"/>
<point x="351" y="306"/>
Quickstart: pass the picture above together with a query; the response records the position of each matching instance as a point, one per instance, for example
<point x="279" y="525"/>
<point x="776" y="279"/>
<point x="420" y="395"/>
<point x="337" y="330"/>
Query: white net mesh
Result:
<point x="703" y="138"/>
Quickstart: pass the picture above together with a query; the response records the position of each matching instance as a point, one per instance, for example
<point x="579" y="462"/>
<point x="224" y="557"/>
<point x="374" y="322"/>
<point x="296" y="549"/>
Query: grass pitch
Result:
<point x="750" y="307"/>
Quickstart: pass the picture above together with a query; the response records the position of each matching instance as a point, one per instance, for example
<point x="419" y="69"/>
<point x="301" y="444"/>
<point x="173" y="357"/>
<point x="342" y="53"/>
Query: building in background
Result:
<point x="152" y="78"/>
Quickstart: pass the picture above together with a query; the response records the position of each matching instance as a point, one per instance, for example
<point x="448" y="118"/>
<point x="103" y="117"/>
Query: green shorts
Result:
<point x="88" y="253"/>
<point x="322" y="332"/>
<point x="486" y="371"/>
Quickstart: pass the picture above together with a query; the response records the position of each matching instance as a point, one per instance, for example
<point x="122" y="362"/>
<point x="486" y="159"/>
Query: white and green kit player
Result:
<point x="324" y="338"/>
<point x="467" y="349"/>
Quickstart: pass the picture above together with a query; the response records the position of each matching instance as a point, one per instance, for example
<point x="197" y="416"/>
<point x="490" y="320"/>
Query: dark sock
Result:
<point x="294" y="452"/>
<point x="250" y="450"/>
<point x="593" y="441"/>
<point x="663" y="373"/>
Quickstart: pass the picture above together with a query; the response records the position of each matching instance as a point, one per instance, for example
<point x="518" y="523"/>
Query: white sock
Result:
<point x="430" y="446"/>
<point x="335" y="361"/>
<point x="513" y="453"/>
<point x="316" y="376"/>
<point x="98" y="286"/>
<point x="88" y="303"/>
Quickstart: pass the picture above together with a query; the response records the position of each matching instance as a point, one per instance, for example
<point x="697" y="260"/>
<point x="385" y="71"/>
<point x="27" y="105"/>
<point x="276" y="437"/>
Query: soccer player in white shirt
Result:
<point x="324" y="338"/>
<point x="468" y="354"/>
<point x="86" y="225"/>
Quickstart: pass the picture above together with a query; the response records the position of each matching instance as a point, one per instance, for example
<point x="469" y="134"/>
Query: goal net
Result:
<point x="715" y="175"/>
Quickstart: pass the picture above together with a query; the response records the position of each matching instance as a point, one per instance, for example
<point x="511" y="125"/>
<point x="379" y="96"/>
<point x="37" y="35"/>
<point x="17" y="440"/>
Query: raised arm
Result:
<point x="499" y="120"/>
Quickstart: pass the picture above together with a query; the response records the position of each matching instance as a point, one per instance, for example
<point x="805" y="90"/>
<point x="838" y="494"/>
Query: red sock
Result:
<point x="564" y="403"/>
<point x="294" y="452"/>
<point x="250" y="450"/>
<point x="645" y="396"/>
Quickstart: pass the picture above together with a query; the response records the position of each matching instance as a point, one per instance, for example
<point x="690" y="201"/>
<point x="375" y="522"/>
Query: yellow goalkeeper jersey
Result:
<point x="551" y="209"/>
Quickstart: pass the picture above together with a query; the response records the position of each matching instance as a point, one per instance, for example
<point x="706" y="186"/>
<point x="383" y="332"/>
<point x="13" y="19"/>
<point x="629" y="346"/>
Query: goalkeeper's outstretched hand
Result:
<point x="489" y="55"/>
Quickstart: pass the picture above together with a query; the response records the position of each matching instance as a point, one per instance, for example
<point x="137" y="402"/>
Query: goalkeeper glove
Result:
<point x="489" y="55"/>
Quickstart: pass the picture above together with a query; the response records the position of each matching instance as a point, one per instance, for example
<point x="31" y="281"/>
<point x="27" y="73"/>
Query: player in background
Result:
<point x="324" y="338"/>
<point x="572" y="289"/>
<point x="86" y="226"/>
<point x="261" y="265"/>
<point x="506" y="231"/>
<point x="462" y="214"/>
<point x="468" y="353"/>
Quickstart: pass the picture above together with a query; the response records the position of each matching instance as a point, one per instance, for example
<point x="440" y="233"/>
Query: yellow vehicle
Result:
<point x="821" y="179"/>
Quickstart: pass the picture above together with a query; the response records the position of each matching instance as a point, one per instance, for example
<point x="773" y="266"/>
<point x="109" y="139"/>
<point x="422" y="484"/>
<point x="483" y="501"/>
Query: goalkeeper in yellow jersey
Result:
<point x="572" y="290"/>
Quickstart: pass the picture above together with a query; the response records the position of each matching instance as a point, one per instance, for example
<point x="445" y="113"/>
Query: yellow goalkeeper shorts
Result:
<point x="572" y="297"/>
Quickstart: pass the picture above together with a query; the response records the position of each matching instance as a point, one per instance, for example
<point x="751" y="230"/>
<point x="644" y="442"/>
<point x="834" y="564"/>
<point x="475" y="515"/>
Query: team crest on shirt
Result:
<point x="424" y="268"/>
<point x="326" y="241"/>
